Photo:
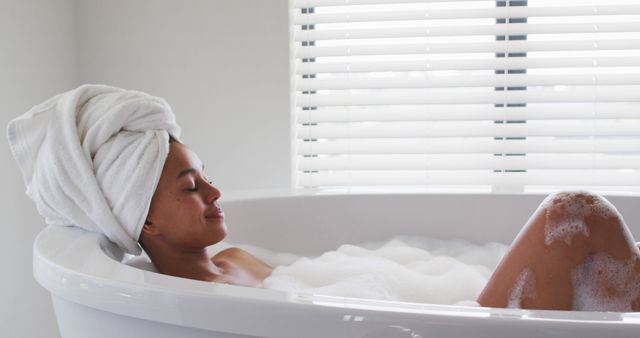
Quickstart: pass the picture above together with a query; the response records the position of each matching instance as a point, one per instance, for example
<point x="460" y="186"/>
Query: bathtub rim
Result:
<point x="84" y="282"/>
<point x="258" y="194"/>
<point x="502" y="231"/>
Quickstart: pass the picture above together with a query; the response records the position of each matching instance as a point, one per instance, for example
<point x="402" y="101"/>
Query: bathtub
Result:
<point x="96" y="295"/>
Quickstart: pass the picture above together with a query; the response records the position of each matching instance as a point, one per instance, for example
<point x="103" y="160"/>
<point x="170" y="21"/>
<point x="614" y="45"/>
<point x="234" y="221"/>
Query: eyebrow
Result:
<point x="188" y="171"/>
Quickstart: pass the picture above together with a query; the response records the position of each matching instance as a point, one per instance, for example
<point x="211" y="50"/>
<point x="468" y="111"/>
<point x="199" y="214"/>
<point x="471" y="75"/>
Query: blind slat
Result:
<point x="467" y="64"/>
<point x="468" y="145"/>
<point x="466" y="13"/>
<point x="473" y="129"/>
<point x="500" y="80"/>
<point x="470" y="177"/>
<point x="314" y="3"/>
<point x="470" y="162"/>
<point x="470" y="112"/>
<point x="471" y="47"/>
<point x="462" y="95"/>
<point x="470" y="30"/>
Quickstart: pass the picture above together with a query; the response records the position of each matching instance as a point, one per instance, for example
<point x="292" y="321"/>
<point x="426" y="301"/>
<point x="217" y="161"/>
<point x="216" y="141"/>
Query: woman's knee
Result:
<point x="578" y="213"/>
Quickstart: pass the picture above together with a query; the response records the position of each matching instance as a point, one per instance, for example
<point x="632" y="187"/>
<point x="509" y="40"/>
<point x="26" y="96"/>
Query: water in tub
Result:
<point x="411" y="269"/>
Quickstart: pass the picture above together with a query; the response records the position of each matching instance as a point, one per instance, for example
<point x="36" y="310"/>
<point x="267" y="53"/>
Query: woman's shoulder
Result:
<point x="232" y="252"/>
<point x="237" y="256"/>
<point x="242" y="267"/>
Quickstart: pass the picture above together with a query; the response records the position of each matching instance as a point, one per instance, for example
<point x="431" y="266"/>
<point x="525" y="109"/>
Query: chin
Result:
<point x="221" y="233"/>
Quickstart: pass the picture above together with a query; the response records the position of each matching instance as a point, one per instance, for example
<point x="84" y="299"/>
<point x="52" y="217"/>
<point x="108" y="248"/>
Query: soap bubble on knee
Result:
<point x="603" y="283"/>
<point x="569" y="210"/>
<point x="524" y="287"/>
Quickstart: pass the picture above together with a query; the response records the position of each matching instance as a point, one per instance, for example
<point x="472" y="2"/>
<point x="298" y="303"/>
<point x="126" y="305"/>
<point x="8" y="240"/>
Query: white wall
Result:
<point x="222" y="65"/>
<point x="37" y="60"/>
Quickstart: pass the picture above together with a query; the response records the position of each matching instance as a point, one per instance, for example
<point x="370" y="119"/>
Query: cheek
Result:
<point x="186" y="209"/>
<point x="177" y="212"/>
<point x="191" y="203"/>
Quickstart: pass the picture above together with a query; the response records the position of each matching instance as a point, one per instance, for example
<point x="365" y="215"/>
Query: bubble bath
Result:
<point x="603" y="283"/>
<point x="525" y="286"/>
<point x="571" y="209"/>
<point x="410" y="269"/>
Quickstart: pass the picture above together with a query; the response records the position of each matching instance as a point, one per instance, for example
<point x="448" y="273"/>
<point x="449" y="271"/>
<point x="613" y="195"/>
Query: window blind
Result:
<point x="492" y="96"/>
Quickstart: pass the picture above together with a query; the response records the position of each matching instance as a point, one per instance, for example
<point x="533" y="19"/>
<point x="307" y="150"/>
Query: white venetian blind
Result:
<point x="500" y="96"/>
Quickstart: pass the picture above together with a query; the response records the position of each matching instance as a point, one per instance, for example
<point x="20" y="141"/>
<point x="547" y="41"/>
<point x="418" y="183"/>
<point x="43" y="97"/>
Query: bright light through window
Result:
<point x="460" y="96"/>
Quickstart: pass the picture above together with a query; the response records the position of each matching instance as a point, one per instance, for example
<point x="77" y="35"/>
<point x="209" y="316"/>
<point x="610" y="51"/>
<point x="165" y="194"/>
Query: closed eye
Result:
<point x="195" y="188"/>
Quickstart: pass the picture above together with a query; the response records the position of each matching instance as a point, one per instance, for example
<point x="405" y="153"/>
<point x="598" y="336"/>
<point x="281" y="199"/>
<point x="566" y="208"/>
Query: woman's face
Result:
<point x="183" y="209"/>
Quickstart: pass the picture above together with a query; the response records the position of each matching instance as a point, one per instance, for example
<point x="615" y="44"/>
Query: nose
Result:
<point x="213" y="193"/>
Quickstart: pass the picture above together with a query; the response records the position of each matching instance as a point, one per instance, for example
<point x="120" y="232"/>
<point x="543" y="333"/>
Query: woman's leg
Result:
<point x="575" y="252"/>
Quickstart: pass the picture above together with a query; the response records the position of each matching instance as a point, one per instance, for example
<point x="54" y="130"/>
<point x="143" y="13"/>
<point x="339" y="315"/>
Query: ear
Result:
<point x="149" y="228"/>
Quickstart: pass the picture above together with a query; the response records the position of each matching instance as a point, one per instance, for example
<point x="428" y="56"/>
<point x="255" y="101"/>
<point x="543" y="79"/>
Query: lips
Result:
<point x="215" y="213"/>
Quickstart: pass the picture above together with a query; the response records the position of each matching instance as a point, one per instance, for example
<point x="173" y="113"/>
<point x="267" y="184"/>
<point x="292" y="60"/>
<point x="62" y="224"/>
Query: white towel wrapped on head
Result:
<point x="92" y="158"/>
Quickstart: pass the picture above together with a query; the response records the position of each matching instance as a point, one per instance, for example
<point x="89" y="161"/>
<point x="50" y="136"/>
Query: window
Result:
<point x="473" y="96"/>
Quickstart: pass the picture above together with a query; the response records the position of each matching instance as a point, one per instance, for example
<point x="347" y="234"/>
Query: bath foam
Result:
<point x="603" y="283"/>
<point x="525" y="286"/>
<point x="411" y="269"/>
<point x="572" y="208"/>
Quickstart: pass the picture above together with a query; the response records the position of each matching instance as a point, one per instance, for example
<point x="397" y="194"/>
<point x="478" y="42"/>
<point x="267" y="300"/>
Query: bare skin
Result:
<point x="184" y="219"/>
<point x="552" y="264"/>
<point x="241" y="267"/>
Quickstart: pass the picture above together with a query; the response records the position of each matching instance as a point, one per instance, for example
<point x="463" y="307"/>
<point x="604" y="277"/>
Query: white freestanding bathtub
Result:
<point x="96" y="295"/>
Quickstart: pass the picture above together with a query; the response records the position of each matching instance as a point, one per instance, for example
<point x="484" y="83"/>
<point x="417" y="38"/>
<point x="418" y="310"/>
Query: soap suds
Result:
<point x="411" y="269"/>
<point x="426" y="270"/>
<point x="570" y="210"/>
<point x="525" y="286"/>
<point x="603" y="283"/>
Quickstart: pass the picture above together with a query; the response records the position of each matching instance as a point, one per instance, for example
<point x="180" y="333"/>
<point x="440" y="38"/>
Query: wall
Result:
<point x="37" y="60"/>
<point x="222" y="65"/>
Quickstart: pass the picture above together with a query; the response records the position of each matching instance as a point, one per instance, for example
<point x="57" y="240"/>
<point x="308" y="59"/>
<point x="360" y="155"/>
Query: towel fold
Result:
<point x="92" y="158"/>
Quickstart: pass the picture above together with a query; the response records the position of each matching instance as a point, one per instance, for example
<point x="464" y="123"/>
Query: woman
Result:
<point x="574" y="241"/>
<point x="184" y="219"/>
<point x="110" y="160"/>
